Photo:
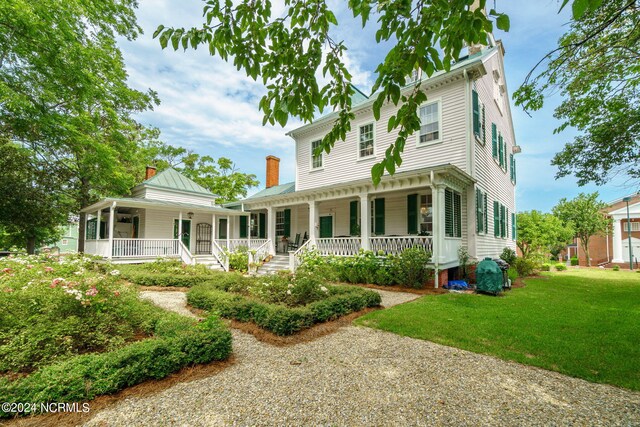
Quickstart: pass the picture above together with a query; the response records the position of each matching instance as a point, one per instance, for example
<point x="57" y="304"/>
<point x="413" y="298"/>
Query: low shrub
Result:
<point x="574" y="261"/>
<point x="279" y="318"/>
<point x="616" y="268"/>
<point x="508" y="255"/>
<point x="239" y="259"/>
<point x="512" y="273"/>
<point x="411" y="268"/>
<point x="545" y="267"/>
<point x="165" y="279"/>
<point x="84" y="377"/>
<point x="525" y="267"/>
<point x="560" y="266"/>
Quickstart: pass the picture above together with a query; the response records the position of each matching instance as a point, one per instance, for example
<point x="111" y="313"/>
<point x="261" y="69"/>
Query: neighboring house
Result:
<point x="167" y="215"/>
<point x="613" y="248"/>
<point x="68" y="243"/>
<point x="455" y="187"/>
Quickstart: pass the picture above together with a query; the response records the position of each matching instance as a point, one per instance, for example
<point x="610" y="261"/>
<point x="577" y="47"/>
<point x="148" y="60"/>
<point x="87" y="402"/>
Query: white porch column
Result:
<point x="365" y="222"/>
<point x="314" y="222"/>
<point x="249" y="231"/>
<point x="111" y="220"/>
<point x="98" y="224"/>
<point x="617" y="241"/>
<point x="213" y="231"/>
<point x="271" y="229"/>
<point x="180" y="226"/>
<point x="228" y="229"/>
<point x="438" y="228"/>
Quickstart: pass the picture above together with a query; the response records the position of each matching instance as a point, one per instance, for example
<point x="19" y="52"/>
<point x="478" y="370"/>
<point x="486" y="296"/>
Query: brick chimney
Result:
<point x="273" y="171"/>
<point x="150" y="173"/>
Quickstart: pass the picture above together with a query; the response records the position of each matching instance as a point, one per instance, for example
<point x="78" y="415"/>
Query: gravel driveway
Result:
<point x="361" y="376"/>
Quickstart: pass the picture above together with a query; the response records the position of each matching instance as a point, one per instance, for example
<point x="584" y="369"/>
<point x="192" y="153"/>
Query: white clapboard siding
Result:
<point x="491" y="178"/>
<point x="343" y="164"/>
<point x="175" y="196"/>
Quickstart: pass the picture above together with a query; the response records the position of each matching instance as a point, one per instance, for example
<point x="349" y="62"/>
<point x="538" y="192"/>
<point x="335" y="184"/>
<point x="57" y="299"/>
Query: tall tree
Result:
<point x="219" y="176"/>
<point x="539" y="233"/>
<point x="585" y="213"/>
<point x="64" y="92"/>
<point x="595" y="67"/>
<point x="31" y="206"/>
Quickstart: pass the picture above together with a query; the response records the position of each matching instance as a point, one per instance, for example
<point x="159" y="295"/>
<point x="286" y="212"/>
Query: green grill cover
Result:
<point x="489" y="277"/>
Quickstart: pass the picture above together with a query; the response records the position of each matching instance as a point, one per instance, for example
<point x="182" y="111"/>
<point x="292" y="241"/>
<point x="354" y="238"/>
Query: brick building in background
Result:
<point x="613" y="248"/>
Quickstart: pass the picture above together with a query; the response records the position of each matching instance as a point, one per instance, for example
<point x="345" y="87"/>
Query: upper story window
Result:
<point x="430" y="123"/>
<point x="316" y="161"/>
<point x="498" y="90"/>
<point x="366" y="141"/>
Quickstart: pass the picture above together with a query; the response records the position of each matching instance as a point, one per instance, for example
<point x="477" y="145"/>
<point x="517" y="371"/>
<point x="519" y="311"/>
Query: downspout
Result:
<point x="436" y="248"/>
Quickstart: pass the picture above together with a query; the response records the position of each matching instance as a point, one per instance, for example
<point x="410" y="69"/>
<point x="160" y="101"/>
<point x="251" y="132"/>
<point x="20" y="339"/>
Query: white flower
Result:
<point x="323" y="289"/>
<point x="114" y="273"/>
<point x="288" y="292"/>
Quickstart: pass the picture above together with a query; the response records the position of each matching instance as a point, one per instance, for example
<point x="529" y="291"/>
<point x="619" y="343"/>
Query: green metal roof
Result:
<point x="289" y="187"/>
<point x="149" y="203"/>
<point x="173" y="180"/>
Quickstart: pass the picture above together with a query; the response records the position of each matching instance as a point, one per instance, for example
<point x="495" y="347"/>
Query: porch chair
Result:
<point x="305" y="238"/>
<point x="295" y="244"/>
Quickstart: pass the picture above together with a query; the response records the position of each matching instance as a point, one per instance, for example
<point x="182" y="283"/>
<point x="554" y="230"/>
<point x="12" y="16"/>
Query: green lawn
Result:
<point x="584" y="323"/>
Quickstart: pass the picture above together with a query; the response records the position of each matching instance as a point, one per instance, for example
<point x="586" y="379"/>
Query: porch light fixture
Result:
<point x="190" y="215"/>
<point x="627" y="200"/>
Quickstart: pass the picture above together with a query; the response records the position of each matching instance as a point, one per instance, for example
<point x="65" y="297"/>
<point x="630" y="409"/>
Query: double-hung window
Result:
<point x="280" y="223"/>
<point x="365" y="148"/>
<point x="452" y="212"/>
<point x="316" y="161"/>
<point x="430" y="123"/>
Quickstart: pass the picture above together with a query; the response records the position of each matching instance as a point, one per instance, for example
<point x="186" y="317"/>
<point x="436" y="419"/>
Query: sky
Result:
<point x="210" y="107"/>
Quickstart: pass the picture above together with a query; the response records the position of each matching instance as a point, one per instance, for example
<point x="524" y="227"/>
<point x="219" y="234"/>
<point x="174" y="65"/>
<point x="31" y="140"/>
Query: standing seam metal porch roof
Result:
<point x="171" y="179"/>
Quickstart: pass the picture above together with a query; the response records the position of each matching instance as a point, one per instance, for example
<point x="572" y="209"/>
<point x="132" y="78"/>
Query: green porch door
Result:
<point x="326" y="226"/>
<point x="186" y="231"/>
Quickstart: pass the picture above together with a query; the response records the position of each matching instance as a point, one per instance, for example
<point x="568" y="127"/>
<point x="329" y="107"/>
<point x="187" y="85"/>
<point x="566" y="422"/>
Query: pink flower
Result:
<point x="29" y="266"/>
<point x="48" y="269"/>
<point x="6" y="270"/>
<point x="116" y="293"/>
<point x="92" y="292"/>
<point x="56" y="281"/>
<point x="52" y="285"/>
<point x="8" y="290"/>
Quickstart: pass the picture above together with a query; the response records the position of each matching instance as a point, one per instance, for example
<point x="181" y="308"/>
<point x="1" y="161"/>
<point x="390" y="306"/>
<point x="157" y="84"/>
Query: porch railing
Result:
<point x="295" y="258"/>
<point x="220" y="254"/>
<point x="138" y="248"/>
<point x="256" y="243"/>
<point x="185" y="254"/>
<point x="341" y="246"/>
<point x="232" y="245"/>
<point x="258" y="254"/>
<point x="395" y="245"/>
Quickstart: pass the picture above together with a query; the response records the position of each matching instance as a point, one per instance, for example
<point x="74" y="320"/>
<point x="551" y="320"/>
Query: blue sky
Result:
<point x="211" y="108"/>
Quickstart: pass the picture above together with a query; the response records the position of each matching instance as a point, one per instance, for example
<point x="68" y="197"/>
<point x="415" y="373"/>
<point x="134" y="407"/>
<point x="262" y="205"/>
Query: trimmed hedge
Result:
<point x="279" y="319"/>
<point x="164" y="279"/>
<point x="178" y="342"/>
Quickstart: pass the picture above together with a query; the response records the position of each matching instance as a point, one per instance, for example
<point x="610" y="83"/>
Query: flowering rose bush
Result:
<point x="55" y="308"/>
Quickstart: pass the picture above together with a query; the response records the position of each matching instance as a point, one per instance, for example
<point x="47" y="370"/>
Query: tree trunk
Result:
<point x="31" y="245"/>
<point x="81" y="231"/>
<point x="585" y="246"/>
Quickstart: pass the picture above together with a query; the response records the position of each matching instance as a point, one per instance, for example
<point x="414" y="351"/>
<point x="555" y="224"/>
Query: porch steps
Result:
<point x="209" y="261"/>
<point x="277" y="263"/>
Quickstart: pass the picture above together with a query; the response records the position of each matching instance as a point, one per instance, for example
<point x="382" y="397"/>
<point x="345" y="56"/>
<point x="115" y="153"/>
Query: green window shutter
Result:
<point x="513" y="226"/>
<point x="496" y="218"/>
<point x="501" y="220"/>
<point x="476" y="113"/>
<point x="513" y="168"/>
<point x="287" y="222"/>
<point x="412" y="214"/>
<point x="506" y="222"/>
<point x="486" y="213"/>
<point x="501" y="151"/>
<point x="457" y="211"/>
<point x="353" y="218"/>
<point x="484" y="126"/>
<point x="379" y="216"/>
<point x="494" y="140"/>
<point x="448" y="213"/>
<point x="243" y="227"/>
<point x="479" y="219"/>
<point x="262" y="225"/>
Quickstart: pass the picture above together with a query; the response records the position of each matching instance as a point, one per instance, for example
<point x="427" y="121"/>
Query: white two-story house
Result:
<point x="455" y="188"/>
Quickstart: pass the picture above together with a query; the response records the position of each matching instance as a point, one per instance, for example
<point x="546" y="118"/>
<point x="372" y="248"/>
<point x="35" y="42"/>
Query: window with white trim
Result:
<point x="425" y="219"/>
<point x="365" y="148"/>
<point x="635" y="226"/>
<point x="65" y="242"/>
<point x="453" y="213"/>
<point x="430" y="126"/>
<point x="279" y="223"/>
<point x="316" y="161"/>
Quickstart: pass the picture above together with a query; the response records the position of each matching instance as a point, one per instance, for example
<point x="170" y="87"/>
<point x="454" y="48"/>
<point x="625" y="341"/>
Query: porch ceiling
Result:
<point x="160" y="204"/>
<point x="447" y="174"/>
